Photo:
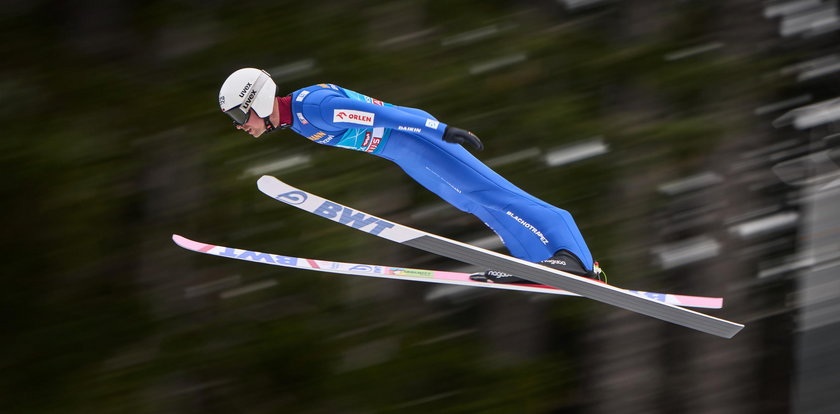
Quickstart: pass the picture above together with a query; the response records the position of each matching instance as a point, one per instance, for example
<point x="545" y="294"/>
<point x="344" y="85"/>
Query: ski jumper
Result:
<point x="530" y="228"/>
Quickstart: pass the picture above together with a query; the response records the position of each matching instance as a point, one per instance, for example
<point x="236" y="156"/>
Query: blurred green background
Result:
<point x="113" y="141"/>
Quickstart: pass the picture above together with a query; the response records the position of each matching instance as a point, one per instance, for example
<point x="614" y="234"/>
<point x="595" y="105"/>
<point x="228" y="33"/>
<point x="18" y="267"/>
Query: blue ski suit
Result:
<point x="530" y="228"/>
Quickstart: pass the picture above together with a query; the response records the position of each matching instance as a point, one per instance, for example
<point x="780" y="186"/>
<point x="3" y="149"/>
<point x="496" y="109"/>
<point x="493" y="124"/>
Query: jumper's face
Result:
<point x="254" y="126"/>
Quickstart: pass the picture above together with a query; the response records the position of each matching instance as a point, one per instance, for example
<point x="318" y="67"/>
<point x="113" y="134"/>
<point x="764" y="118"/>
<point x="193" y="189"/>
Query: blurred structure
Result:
<point x="809" y="162"/>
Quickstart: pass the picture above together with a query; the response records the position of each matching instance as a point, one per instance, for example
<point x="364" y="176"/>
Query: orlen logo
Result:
<point x="353" y="117"/>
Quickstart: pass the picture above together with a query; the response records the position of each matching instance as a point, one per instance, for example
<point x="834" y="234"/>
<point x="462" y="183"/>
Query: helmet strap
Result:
<point x="269" y="127"/>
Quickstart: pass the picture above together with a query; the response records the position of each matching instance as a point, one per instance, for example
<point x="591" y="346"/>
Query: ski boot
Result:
<point x="562" y="260"/>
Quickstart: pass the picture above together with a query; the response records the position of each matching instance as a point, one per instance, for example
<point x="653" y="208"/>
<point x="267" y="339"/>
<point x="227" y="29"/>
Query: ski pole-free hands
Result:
<point x="460" y="136"/>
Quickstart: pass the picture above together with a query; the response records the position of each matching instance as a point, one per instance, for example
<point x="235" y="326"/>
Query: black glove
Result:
<point x="459" y="136"/>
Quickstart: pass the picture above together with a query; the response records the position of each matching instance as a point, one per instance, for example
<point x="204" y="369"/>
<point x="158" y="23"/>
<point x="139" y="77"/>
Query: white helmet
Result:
<point x="247" y="89"/>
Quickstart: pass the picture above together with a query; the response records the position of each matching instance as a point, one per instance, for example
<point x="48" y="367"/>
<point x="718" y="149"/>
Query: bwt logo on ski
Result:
<point x="352" y="218"/>
<point x="292" y="197"/>
<point x="353" y="117"/>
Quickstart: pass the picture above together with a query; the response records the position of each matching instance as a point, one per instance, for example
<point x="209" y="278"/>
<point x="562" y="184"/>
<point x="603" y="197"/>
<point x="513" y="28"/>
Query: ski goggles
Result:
<point x="240" y="114"/>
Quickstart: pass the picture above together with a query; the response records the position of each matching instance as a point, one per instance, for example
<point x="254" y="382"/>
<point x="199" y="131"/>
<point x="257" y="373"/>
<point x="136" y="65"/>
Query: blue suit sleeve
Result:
<point x="350" y="113"/>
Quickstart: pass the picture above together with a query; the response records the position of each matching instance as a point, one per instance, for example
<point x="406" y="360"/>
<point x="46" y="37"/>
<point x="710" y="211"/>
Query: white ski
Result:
<point x="487" y="259"/>
<point x="415" y="275"/>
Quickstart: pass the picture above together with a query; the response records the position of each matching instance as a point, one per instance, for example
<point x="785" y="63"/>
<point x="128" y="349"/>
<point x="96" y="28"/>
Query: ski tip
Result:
<point x="191" y="244"/>
<point x="265" y="180"/>
<point x="180" y="240"/>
